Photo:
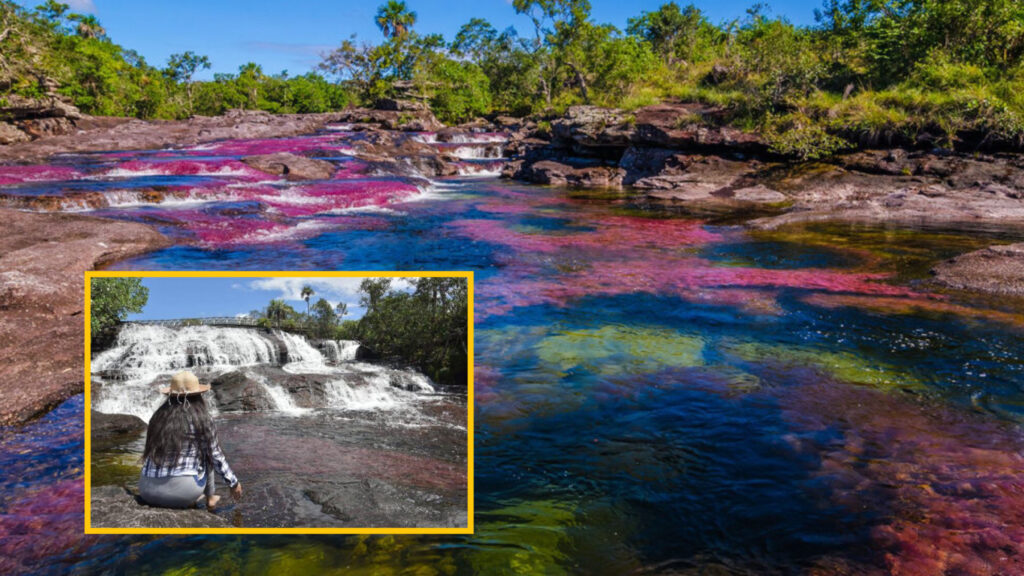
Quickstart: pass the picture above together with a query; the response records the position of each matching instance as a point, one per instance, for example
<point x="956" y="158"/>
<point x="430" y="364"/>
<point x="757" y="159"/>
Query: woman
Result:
<point x="182" y="448"/>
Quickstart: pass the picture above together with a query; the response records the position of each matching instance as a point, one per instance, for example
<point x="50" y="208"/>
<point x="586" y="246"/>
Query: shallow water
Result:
<point x="653" y="393"/>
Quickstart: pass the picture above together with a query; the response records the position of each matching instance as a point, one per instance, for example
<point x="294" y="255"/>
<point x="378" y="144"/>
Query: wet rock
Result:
<point x="401" y="105"/>
<point x="995" y="270"/>
<point x="592" y="127"/>
<point x="42" y="261"/>
<point x="559" y="174"/>
<point x="239" y="392"/>
<point x="116" y="507"/>
<point x="116" y="424"/>
<point x="291" y="166"/>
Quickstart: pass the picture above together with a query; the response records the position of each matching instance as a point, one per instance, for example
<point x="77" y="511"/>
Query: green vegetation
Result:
<point x="111" y="300"/>
<point x="51" y="46"/>
<point x="425" y="327"/>
<point x="869" y="72"/>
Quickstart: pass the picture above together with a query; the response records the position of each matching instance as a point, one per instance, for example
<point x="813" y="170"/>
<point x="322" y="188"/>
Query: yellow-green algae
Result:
<point x="843" y="366"/>
<point x="618" y="349"/>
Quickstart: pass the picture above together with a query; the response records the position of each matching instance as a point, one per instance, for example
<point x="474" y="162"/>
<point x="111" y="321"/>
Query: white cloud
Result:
<point x="81" y="6"/>
<point x="332" y="289"/>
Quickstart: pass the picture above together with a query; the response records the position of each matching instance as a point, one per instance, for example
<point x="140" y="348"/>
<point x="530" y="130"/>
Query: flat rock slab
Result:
<point x="43" y="258"/>
<point x="115" y="507"/>
<point x="995" y="270"/>
<point x="291" y="166"/>
<point x="96" y="134"/>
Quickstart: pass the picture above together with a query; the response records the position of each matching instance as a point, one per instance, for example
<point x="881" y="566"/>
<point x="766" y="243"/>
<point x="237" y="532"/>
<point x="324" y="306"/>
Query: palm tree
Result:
<point x="307" y="293"/>
<point x="395" y="19"/>
<point x="88" y="26"/>
<point x="276" y="311"/>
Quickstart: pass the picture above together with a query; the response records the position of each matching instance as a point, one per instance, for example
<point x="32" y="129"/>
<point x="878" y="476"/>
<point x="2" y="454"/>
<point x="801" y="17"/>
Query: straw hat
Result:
<point x="185" y="383"/>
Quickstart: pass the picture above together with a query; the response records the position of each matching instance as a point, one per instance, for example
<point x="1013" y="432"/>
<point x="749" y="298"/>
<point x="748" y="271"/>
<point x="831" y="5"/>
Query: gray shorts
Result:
<point x="175" y="491"/>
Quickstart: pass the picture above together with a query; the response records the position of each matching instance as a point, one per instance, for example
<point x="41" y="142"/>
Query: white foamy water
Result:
<point x="127" y="377"/>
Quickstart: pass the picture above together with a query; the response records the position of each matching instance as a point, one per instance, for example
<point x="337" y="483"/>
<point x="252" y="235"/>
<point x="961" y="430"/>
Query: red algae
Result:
<point x="12" y="175"/>
<point x="223" y="167"/>
<point x="949" y="484"/>
<point x="39" y="526"/>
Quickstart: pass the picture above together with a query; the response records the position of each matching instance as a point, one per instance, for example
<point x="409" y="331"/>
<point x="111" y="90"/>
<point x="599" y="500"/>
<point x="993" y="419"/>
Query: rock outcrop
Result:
<point x="23" y="119"/>
<point x="43" y="258"/>
<point x="685" y="156"/>
<point x="994" y="270"/>
<point x="116" y="507"/>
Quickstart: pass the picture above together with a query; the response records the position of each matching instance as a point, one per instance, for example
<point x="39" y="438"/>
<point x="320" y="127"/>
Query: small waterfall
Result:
<point x="279" y="397"/>
<point x="127" y="377"/>
<point x="339" y="351"/>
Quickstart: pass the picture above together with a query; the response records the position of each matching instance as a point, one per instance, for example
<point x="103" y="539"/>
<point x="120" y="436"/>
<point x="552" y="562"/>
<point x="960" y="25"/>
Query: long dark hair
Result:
<point x="180" y="421"/>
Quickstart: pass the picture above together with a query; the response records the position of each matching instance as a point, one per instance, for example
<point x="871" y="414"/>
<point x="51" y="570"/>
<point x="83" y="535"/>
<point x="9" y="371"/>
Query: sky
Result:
<point x="172" y="298"/>
<point x="292" y="35"/>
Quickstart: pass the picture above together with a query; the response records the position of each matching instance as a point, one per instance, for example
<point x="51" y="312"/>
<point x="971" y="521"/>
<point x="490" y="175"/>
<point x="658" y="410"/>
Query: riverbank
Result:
<point x="43" y="258"/>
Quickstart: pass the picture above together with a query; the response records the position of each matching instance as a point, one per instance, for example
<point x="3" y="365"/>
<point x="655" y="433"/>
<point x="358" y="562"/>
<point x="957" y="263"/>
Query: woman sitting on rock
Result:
<point x="182" y="449"/>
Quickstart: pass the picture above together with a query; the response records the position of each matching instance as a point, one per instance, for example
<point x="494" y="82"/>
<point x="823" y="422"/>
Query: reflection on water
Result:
<point x="653" y="394"/>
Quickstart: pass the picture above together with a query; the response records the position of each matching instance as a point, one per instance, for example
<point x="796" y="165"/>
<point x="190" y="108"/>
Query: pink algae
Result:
<point x="224" y="167"/>
<point x="950" y="483"/>
<point x="338" y="195"/>
<point x="38" y="526"/>
<point x="17" y="174"/>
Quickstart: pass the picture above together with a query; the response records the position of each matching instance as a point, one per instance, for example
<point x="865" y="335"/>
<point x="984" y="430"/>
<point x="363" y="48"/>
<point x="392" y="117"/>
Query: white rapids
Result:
<point x="127" y="376"/>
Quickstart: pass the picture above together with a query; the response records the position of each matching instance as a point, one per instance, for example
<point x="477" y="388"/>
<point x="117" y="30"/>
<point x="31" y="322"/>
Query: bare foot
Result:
<point x="211" y="502"/>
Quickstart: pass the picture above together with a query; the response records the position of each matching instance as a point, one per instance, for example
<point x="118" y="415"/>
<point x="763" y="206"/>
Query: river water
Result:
<point x="655" y="393"/>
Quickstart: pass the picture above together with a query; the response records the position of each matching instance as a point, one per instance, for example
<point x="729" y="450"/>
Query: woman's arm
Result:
<point x="221" y="463"/>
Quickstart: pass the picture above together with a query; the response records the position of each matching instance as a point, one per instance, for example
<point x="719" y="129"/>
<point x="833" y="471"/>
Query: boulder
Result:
<point x="559" y="174"/>
<point x="238" y="391"/>
<point x="116" y="507"/>
<point x="291" y="166"/>
<point x="108" y="425"/>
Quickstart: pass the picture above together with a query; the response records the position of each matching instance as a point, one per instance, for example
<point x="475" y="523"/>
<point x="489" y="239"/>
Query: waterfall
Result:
<point x="144" y="351"/>
<point x="126" y="378"/>
<point x="279" y="397"/>
<point x="339" y="351"/>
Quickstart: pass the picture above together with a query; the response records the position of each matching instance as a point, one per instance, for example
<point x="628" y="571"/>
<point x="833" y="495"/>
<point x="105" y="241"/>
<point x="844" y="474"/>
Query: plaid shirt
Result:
<point x="190" y="463"/>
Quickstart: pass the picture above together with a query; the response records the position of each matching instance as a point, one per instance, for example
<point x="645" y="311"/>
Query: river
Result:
<point x="654" y="392"/>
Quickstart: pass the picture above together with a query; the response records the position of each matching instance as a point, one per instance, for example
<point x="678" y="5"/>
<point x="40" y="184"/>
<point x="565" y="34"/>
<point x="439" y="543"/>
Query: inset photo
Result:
<point x="279" y="402"/>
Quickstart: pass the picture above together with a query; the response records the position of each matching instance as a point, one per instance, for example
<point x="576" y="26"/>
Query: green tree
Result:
<point x="307" y="293"/>
<point x="395" y="19"/>
<point x="111" y="300"/>
<point x="325" y="320"/>
<point x="278" y="311"/>
<point x="182" y="67"/>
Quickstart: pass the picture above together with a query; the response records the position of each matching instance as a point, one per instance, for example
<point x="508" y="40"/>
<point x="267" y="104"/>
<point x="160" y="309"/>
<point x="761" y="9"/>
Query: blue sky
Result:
<point x="171" y="298"/>
<point x="291" y="35"/>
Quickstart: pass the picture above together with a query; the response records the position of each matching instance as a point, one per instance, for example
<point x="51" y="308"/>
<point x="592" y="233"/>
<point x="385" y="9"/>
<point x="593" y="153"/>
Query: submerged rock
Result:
<point x="116" y="507"/>
<point x="996" y="270"/>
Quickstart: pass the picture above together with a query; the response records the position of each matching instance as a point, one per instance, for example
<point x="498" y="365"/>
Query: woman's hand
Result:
<point x="236" y="492"/>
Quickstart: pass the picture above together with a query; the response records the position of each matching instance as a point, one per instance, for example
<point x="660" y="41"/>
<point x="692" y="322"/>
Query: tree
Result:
<point x="182" y="67"/>
<point x="88" y="26"/>
<point x="111" y="300"/>
<point x="325" y="320"/>
<point x="394" y="19"/>
<point x="278" y="311"/>
<point x="307" y="293"/>
<point x="675" y="34"/>
<point x="342" y="310"/>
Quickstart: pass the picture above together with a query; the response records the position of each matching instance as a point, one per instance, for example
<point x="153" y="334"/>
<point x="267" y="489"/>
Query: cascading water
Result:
<point x="127" y="376"/>
<point x="338" y="351"/>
